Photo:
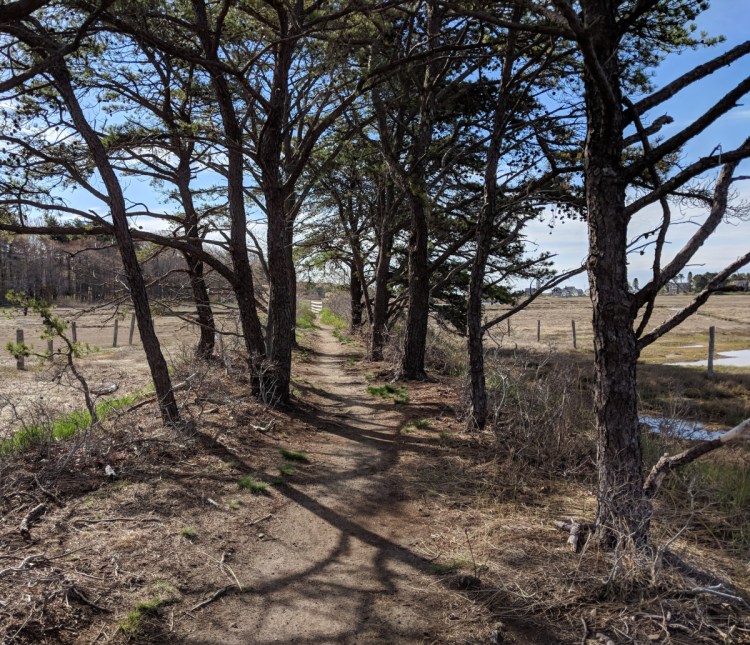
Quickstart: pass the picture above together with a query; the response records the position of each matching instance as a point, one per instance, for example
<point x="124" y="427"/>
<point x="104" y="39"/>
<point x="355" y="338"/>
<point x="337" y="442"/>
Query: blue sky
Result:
<point x="729" y="18"/>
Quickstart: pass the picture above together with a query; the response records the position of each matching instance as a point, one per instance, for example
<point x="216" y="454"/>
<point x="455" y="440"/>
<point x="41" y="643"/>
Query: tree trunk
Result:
<point x="204" y="312"/>
<point x="156" y="362"/>
<point x="355" y="296"/>
<point x="415" y="342"/>
<point x="205" y="346"/>
<point x="382" y="296"/>
<point x="623" y="512"/>
<point x="277" y="376"/>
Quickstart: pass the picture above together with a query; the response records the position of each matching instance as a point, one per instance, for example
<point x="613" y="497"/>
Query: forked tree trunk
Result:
<point x="156" y="362"/>
<point x="623" y="512"/>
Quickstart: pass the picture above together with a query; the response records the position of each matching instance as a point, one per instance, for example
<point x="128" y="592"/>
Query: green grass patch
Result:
<point x="189" y="533"/>
<point x="294" y="455"/>
<point x="248" y="483"/>
<point x="287" y="469"/>
<point x="66" y="426"/>
<point x="305" y="319"/>
<point x="388" y="391"/>
<point x="327" y="317"/>
<point x="132" y="622"/>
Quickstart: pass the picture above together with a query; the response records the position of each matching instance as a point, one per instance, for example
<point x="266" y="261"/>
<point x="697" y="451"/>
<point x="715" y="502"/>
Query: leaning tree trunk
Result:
<point x="156" y="362"/>
<point x="623" y="512"/>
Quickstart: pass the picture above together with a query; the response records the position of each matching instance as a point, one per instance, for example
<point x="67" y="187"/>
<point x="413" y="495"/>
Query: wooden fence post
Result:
<point x="114" y="338"/>
<point x="538" y="331"/>
<point x="575" y="342"/>
<point x="508" y="326"/>
<point x="19" y="341"/>
<point x="132" y="329"/>
<point x="50" y="348"/>
<point x="711" y="345"/>
<point x="74" y="331"/>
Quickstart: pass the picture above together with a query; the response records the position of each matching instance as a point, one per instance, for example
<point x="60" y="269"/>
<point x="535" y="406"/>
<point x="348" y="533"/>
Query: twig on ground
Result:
<point x="82" y="597"/>
<point x="85" y="520"/>
<point x="212" y="598"/>
<point x="260" y="519"/>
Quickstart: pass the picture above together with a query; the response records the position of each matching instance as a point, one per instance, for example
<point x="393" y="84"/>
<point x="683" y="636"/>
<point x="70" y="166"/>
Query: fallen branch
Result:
<point x="666" y="464"/>
<point x="175" y="388"/>
<point x="85" y="520"/>
<point x="32" y="516"/>
<point x="719" y="591"/>
<point x="27" y="563"/>
<point x="260" y="519"/>
<point x="575" y="528"/>
<point x="212" y="598"/>
<point x="82" y="597"/>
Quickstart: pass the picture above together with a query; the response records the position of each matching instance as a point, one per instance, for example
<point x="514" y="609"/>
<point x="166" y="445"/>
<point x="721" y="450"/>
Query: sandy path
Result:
<point x="340" y="566"/>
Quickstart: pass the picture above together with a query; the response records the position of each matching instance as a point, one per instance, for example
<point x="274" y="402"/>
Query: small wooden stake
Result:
<point x="575" y="342"/>
<point x="132" y="329"/>
<point x="538" y="331"/>
<point x="114" y="338"/>
<point x="508" y="326"/>
<point x="74" y="331"/>
<point x="711" y="345"/>
<point x="50" y="349"/>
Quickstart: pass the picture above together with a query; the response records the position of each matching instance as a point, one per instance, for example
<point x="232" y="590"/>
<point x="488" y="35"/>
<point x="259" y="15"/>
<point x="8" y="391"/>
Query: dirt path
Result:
<point x="340" y="566"/>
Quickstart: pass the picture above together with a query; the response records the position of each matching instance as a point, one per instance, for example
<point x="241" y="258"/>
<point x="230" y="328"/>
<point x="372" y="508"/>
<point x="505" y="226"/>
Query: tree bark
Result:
<point x="382" y="295"/>
<point x="203" y="308"/>
<point x="623" y="512"/>
<point x="355" y="296"/>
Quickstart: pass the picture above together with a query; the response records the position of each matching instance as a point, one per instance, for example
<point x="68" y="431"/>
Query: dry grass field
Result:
<point x="38" y="388"/>
<point x="730" y="315"/>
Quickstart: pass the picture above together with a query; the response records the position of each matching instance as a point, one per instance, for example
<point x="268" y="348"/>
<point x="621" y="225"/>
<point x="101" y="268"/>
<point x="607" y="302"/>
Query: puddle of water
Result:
<point x="680" y="428"/>
<point x="739" y="358"/>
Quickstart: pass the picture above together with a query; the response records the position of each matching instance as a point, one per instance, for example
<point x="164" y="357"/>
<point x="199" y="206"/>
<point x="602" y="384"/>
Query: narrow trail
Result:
<point x="339" y="565"/>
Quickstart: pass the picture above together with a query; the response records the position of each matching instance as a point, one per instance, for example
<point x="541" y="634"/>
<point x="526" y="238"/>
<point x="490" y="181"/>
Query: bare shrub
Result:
<point x="340" y="304"/>
<point x="542" y="409"/>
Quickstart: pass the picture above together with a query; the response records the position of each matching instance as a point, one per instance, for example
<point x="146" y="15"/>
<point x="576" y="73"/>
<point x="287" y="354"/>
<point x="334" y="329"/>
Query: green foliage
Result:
<point x="66" y="426"/>
<point x="327" y="317"/>
<point x="294" y="455"/>
<point x="388" y="391"/>
<point x="189" y="533"/>
<point x="256" y="487"/>
<point x="305" y="318"/>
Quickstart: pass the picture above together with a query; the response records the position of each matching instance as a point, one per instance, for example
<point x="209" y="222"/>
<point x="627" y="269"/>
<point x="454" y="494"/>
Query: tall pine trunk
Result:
<point x="381" y="296"/>
<point x="623" y="512"/>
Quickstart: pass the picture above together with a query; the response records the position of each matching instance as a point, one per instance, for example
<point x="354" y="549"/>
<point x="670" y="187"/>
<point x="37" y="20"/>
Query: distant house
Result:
<point x="673" y="288"/>
<point x="741" y="284"/>
<point x="567" y="292"/>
